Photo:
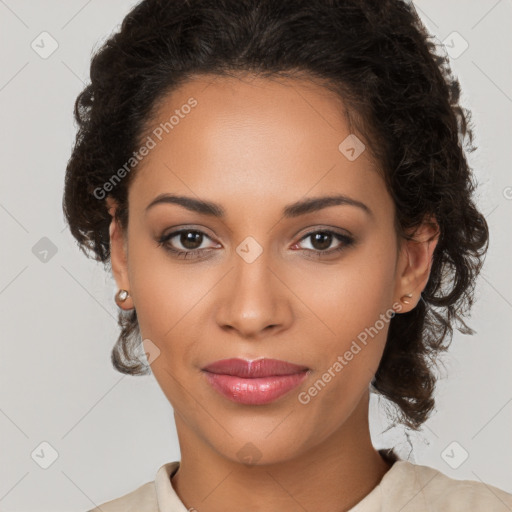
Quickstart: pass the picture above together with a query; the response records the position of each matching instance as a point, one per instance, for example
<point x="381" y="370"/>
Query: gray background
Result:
<point x="58" y="317"/>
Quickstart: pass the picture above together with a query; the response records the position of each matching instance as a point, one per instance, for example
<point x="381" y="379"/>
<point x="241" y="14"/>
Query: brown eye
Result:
<point x="191" y="239"/>
<point x="185" y="243"/>
<point x="322" y="240"/>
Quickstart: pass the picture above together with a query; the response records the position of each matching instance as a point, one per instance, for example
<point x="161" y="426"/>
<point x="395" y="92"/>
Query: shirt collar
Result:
<point x="168" y="500"/>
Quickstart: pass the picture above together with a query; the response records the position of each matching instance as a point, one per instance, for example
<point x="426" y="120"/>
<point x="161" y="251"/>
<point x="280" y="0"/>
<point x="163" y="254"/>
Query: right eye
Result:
<point x="190" y="239"/>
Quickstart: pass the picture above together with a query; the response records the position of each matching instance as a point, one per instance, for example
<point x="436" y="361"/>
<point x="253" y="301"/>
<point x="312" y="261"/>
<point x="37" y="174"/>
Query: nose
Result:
<point x="254" y="301"/>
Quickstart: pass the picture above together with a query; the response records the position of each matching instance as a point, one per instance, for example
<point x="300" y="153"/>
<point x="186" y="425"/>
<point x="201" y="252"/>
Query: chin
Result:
<point x="257" y="448"/>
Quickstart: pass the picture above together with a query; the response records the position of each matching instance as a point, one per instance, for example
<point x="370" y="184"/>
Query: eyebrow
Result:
<point x="292" y="210"/>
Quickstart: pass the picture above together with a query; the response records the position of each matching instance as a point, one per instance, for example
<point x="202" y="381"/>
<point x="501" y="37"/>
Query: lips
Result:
<point x="254" y="369"/>
<point x="255" y="382"/>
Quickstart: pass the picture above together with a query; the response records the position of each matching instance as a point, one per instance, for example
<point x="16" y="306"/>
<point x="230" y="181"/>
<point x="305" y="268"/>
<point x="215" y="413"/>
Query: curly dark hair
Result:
<point x="400" y="96"/>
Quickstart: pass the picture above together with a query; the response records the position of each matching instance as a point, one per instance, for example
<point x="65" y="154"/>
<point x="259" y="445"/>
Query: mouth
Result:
<point x="255" y="382"/>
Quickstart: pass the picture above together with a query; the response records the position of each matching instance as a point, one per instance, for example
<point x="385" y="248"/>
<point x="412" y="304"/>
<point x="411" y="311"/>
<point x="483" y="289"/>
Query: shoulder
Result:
<point x="142" y="499"/>
<point x="425" y="487"/>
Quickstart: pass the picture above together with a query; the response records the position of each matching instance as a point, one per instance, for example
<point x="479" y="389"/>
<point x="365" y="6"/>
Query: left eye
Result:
<point x="322" y="240"/>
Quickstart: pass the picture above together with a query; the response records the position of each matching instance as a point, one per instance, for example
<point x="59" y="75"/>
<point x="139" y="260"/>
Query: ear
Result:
<point x="118" y="255"/>
<point x="415" y="262"/>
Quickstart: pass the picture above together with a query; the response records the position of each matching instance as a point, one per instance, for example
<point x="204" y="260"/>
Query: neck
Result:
<point x="334" y="475"/>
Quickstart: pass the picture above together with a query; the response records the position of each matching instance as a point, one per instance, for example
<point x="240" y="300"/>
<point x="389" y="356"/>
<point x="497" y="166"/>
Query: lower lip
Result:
<point x="257" y="391"/>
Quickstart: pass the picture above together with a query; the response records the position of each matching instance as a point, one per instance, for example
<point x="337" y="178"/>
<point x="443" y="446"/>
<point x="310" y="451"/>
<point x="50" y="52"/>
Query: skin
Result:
<point x="253" y="146"/>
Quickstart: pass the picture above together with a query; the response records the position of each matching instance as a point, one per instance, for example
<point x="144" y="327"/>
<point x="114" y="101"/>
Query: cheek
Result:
<point x="350" y="305"/>
<point x="346" y="298"/>
<point x="167" y="299"/>
<point x="163" y="291"/>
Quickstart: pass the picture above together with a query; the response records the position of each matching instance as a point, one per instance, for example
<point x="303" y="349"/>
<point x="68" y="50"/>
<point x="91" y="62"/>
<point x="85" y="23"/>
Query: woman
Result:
<point x="282" y="192"/>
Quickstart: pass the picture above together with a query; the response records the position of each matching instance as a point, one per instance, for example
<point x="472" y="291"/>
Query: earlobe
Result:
<point x="418" y="256"/>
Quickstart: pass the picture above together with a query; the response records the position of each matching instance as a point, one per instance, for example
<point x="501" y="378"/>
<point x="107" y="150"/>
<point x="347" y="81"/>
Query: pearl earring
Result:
<point x="405" y="297"/>
<point x="122" y="295"/>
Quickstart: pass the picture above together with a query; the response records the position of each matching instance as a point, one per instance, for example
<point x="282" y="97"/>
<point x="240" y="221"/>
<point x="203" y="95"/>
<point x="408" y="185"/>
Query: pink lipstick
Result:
<point x="254" y="382"/>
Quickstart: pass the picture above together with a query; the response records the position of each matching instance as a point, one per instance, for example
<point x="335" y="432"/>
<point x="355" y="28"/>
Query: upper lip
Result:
<point x="255" y="368"/>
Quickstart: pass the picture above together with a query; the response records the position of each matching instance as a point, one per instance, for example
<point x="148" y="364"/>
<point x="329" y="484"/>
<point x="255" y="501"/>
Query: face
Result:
<point x="310" y="286"/>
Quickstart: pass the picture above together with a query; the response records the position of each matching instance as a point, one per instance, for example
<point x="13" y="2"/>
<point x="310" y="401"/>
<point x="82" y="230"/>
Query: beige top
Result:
<point x="406" y="487"/>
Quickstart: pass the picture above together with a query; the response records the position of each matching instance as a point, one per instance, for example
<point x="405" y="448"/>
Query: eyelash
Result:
<point x="191" y="254"/>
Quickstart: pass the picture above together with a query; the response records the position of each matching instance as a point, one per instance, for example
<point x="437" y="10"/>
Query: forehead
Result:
<point x="270" y="141"/>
